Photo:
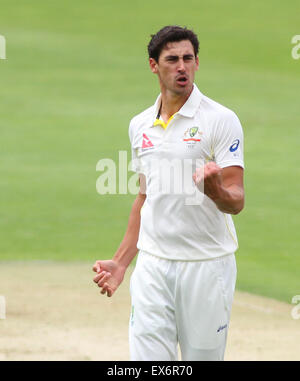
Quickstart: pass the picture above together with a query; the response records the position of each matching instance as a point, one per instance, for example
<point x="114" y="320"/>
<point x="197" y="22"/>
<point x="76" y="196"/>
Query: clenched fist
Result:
<point x="209" y="179"/>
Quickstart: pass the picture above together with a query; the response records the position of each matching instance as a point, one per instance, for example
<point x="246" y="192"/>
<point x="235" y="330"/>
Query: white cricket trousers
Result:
<point x="185" y="302"/>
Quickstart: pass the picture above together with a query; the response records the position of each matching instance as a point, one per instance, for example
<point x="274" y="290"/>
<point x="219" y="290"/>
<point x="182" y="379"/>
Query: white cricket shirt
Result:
<point x="177" y="220"/>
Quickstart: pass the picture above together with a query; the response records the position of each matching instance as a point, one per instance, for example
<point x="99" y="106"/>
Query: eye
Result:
<point x="188" y="58"/>
<point x="171" y="59"/>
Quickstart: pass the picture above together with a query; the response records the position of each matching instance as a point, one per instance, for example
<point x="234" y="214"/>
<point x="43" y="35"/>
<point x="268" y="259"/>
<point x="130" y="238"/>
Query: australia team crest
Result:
<point x="192" y="136"/>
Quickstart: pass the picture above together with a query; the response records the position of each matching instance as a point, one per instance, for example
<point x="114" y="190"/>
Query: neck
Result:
<point x="171" y="102"/>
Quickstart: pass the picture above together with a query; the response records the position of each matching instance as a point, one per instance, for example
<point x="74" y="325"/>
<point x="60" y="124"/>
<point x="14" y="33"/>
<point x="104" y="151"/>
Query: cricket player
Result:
<point x="183" y="284"/>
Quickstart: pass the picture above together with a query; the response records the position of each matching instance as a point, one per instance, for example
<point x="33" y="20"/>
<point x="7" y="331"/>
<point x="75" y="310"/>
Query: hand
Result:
<point x="109" y="276"/>
<point x="209" y="178"/>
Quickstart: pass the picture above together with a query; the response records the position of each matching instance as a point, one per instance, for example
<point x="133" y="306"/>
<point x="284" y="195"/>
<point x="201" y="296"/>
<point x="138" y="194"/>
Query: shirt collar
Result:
<point x="188" y="109"/>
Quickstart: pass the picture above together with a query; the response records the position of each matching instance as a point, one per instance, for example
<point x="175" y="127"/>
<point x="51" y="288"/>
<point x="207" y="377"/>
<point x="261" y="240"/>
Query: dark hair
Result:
<point x="170" y="33"/>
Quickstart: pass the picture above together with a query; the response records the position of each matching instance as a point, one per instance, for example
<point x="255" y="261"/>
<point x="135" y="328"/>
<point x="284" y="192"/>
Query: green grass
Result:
<point x="75" y="74"/>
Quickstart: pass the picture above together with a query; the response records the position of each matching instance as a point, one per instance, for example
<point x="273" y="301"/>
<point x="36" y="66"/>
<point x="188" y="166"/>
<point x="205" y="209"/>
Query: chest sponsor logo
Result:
<point x="192" y="136"/>
<point x="146" y="143"/>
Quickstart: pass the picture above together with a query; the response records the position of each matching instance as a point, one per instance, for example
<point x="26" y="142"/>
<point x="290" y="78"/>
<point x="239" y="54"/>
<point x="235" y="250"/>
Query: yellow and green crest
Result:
<point x="193" y="131"/>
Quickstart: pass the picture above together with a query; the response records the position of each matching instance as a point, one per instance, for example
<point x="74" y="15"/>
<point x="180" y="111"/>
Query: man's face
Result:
<point x="176" y="67"/>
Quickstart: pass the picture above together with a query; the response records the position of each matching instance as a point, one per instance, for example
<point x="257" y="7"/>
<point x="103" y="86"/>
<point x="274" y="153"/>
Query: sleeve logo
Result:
<point x="234" y="146"/>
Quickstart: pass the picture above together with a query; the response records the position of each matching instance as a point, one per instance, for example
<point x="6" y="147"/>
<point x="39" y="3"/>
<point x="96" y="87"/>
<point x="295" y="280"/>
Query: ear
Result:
<point x="153" y="65"/>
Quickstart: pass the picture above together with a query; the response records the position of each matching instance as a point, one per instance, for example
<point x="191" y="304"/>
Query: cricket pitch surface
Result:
<point x="54" y="311"/>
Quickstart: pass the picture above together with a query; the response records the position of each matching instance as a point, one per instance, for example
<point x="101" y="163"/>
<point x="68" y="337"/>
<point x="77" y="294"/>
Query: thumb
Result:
<point x="96" y="267"/>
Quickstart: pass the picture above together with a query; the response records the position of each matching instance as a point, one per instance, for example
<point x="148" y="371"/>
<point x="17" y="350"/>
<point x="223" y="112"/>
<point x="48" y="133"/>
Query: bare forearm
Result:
<point x="228" y="200"/>
<point x="127" y="249"/>
<point x="224" y="187"/>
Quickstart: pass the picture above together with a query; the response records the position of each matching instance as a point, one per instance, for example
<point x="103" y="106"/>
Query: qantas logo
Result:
<point x="146" y="142"/>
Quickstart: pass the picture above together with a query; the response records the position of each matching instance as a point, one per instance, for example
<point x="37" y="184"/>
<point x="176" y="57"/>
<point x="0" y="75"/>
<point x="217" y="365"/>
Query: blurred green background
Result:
<point x="76" y="73"/>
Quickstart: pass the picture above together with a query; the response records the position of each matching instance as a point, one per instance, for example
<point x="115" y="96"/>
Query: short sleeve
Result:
<point x="135" y="164"/>
<point x="228" y="144"/>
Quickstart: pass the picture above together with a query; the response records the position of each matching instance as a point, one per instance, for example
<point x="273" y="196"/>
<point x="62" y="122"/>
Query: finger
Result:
<point x="100" y="276"/>
<point x="96" y="267"/>
<point x="199" y="173"/>
<point x="108" y="290"/>
<point x="104" y="289"/>
<point x="104" y="279"/>
<point x="213" y="178"/>
<point x="212" y="167"/>
<point x="197" y="178"/>
<point x="211" y="174"/>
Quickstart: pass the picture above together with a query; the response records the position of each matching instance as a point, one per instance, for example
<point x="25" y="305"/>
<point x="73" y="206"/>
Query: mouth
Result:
<point x="182" y="80"/>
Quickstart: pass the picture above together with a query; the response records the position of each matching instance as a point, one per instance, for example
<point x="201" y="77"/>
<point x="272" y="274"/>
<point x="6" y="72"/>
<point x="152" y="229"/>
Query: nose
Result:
<point x="181" y="67"/>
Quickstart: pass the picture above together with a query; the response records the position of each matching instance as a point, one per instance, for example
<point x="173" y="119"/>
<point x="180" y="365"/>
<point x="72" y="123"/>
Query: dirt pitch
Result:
<point x="55" y="312"/>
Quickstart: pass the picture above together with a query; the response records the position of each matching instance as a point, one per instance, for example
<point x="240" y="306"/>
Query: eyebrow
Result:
<point x="176" y="57"/>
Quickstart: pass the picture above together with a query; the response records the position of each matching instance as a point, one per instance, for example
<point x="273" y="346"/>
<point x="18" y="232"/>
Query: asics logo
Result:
<point x="221" y="327"/>
<point x="234" y="146"/>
